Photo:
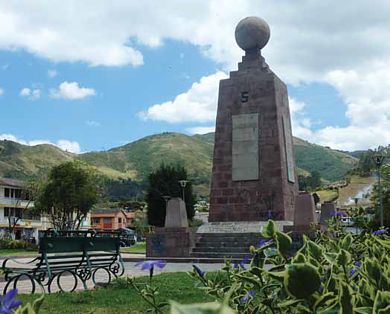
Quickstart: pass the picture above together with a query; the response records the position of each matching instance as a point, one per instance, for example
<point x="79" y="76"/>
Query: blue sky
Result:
<point x="83" y="84"/>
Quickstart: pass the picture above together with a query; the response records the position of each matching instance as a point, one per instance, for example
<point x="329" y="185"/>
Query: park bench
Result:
<point x="75" y="255"/>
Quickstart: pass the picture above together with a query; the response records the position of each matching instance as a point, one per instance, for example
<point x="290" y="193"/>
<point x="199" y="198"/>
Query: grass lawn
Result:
<point x="327" y="195"/>
<point x="120" y="298"/>
<point x="139" y="247"/>
<point x="17" y="252"/>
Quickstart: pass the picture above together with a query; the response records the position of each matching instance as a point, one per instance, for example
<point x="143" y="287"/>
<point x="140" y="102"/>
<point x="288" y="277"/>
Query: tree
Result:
<point x="302" y="183"/>
<point x="165" y="182"/>
<point x="385" y="184"/>
<point x="68" y="195"/>
<point x="314" y="180"/>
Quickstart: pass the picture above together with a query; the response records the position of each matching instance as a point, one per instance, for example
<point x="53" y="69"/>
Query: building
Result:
<point x="110" y="218"/>
<point x="15" y="211"/>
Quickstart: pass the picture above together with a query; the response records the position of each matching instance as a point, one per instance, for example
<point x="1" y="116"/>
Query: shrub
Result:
<point x="336" y="273"/>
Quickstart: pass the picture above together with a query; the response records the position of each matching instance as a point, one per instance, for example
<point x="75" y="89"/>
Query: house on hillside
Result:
<point x="110" y="218"/>
<point x="15" y="211"/>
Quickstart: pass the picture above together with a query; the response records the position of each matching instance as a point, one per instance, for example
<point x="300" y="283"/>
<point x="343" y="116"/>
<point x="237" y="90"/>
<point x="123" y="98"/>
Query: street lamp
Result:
<point x="166" y="198"/>
<point x="183" y="184"/>
<point x="378" y="160"/>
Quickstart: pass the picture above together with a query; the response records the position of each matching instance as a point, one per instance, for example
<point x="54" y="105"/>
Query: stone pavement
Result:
<point x="131" y="270"/>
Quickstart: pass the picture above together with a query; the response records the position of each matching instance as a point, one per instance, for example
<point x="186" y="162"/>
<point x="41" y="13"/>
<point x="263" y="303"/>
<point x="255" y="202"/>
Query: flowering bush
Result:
<point x="8" y="304"/>
<point x="336" y="273"/>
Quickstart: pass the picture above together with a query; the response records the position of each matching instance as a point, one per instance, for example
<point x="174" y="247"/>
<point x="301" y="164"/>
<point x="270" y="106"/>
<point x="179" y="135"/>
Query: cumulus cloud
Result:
<point x="66" y="145"/>
<point x="306" y="45"/>
<point x="71" y="91"/>
<point x="197" y="104"/>
<point x="32" y="94"/>
<point x="201" y="129"/>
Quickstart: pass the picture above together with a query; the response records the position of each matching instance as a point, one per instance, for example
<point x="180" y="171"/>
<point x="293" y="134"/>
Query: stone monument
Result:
<point x="253" y="176"/>
<point x="176" y="215"/>
<point x="175" y="239"/>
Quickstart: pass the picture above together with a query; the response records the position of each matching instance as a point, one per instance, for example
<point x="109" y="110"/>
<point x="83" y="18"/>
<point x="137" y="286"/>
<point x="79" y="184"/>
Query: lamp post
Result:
<point x="166" y="198"/>
<point x="183" y="184"/>
<point x="378" y="160"/>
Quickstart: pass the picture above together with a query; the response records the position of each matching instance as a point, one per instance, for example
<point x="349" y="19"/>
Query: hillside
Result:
<point x="20" y="161"/>
<point x="135" y="160"/>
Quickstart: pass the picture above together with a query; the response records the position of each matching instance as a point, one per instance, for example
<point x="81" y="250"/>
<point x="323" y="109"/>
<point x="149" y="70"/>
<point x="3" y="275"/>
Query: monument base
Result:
<point x="239" y="226"/>
<point x="170" y="242"/>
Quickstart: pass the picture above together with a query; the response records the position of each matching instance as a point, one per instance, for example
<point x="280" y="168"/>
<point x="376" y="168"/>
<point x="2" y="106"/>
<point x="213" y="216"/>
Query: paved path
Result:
<point x="131" y="270"/>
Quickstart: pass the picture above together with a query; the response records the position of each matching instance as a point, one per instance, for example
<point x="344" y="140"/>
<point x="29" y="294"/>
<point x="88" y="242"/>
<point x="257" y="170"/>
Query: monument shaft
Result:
<point x="253" y="177"/>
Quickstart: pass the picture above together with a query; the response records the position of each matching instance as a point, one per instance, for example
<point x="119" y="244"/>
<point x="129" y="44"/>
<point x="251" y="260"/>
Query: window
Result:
<point x="95" y="221"/>
<point x="6" y="211"/>
<point x="6" y="192"/>
<point x="18" y="213"/>
<point x="120" y="220"/>
<point x="18" y="193"/>
<point x="106" y="220"/>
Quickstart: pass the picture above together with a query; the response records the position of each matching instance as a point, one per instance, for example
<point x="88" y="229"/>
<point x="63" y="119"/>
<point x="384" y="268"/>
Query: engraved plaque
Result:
<point x="288" y="148"/>
<point x="245" y="147"/>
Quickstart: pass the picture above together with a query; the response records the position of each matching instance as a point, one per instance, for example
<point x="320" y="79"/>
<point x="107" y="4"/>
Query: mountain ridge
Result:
<point x="135" y="160"/>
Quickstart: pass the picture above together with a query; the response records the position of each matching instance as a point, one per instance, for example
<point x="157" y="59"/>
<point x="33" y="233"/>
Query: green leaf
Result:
<point x="200" y="308"/>
<point x="314" y="250"/>
<point x="330" y="257"/>
<point x="323" y="299"/>
<point x="301" y="280"/>
<point x="343" y="258"/>
<point x="283" y="242"/>
<point x="373" y="269"/>
<point x="346" y="242"/>
<point x="382" y="302"/>
<point x="37" y="303"/>
<point x="346" y="299"/>
<point x="363" y="310"/>
<point x="299" y="258"/>
<point x="269" y="230"/>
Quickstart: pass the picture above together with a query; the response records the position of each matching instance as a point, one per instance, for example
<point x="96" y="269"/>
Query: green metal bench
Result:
<point x="83" y="255"/>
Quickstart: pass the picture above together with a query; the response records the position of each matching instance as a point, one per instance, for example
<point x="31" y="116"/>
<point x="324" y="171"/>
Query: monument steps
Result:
<point x="234" y="246"/>
<point x="231" y="249"/>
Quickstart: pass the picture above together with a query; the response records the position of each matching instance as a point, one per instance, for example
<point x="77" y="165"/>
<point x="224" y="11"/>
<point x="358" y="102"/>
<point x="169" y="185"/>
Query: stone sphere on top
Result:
<point x="252" y="33"/>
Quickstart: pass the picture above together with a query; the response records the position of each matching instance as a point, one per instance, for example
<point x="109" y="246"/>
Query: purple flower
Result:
<point x="245" y="260"/>
<point x="353" y="270"/>
<point x="358" y="264"/>
<point x="8" y="303"/>
<point x="249" y="294"/>
<point x="263" y="242"/>
<point x="200" y="272"/>
<point x="149" y="265"/>
<point x="379" y="232"/>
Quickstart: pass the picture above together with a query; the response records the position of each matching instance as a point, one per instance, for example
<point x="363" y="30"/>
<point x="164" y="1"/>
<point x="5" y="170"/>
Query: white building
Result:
<point x="15" y="210"/>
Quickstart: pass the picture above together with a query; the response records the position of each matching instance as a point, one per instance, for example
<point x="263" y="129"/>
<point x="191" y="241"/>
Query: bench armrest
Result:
<point x="3" y="266"/>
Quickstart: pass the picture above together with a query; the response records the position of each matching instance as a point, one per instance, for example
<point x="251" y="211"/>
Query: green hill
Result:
<point x="20" y="161"/>
<point x="137" y="159"/>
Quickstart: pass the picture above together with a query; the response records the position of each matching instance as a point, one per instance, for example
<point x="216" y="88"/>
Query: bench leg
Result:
<point x="14" y="282"/>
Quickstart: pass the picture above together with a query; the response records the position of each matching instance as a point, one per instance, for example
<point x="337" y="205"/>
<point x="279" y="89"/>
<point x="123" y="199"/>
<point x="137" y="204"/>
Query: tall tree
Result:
<point x="314" y="180"/>
<point x="385" y="189"/>
<point x="68" y="195"/>
<point x="165" y="182"/>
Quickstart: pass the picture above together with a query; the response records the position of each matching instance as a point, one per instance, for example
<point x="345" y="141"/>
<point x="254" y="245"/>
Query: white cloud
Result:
<point x="201" y="129"/>
<point x="306" y="45"/>
<point x="71" y="91"/>
<point x="51" y="73"/>
<point x="32" y="94"/>
<point x="198" y="104"/>
<point x="70" y="146"/>
<point x="92" y="123"/>
<point x="1" y="91"/>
